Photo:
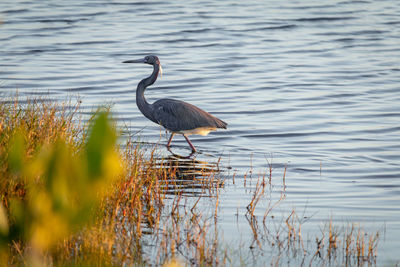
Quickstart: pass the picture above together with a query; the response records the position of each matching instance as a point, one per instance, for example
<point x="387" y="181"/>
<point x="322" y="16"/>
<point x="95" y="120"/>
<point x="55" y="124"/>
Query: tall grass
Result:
<point x="48" y="215"/>
<point x="55" y="174"/>
<point x="39" y="123"/>
<point x="70" y="195"/>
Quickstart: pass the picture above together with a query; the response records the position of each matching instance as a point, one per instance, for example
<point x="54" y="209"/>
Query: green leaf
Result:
<point x="101" y="142"/>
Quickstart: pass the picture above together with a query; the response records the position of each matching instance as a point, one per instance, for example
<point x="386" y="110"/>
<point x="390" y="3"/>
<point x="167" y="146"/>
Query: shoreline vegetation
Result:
<point x="70" y="195"/>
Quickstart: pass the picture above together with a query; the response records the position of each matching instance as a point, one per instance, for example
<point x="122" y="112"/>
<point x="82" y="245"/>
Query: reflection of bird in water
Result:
<point x="187" y="168"/>
<point x="189" y="176"/>
<point x="174" y="115"/>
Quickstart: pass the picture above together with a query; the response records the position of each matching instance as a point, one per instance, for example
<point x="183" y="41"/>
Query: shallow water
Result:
<point x="309" y="85"/>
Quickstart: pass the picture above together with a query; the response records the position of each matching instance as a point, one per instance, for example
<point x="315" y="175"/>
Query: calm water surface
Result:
<point x="314" y="85"/>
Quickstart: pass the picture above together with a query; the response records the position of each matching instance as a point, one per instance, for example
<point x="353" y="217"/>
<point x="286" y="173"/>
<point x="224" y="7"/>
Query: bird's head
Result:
<point x="151" y="59"/>
<point x="147" y="59"/>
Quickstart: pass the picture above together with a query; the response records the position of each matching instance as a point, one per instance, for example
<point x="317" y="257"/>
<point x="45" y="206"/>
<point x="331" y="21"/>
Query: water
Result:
<point x="309" y="84"/>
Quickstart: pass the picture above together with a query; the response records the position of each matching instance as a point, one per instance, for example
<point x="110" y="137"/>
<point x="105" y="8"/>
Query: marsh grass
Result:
<point x="347" y="245"/>
<point x="40" y="122"/>
<point x="141" y="207"/>
<point x="54" y="175"/>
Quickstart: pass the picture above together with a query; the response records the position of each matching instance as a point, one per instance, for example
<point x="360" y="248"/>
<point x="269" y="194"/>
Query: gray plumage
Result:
<point x="174" y="115"/>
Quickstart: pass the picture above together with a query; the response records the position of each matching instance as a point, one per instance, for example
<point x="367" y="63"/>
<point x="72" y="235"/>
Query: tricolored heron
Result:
<point x="174" y="115"/>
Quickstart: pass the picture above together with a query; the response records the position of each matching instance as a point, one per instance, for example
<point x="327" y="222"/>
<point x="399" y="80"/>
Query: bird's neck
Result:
<point x="153" y="77"/>
<point x="141" y="102"/>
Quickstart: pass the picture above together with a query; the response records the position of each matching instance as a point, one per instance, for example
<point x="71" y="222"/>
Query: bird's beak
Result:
<point x="134" y="61"/>
<point x="143" y="61"/>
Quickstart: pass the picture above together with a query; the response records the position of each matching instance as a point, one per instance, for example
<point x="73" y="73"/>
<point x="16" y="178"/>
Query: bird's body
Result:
<point x="174" y="115"/>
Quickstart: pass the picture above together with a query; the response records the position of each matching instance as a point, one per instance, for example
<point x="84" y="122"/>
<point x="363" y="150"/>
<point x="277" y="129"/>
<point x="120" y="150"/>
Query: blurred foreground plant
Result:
<point x="51" y="189"/>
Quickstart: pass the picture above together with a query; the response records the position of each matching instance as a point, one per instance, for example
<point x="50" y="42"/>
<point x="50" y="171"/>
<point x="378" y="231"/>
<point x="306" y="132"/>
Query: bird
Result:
<point x="176" y="116"/>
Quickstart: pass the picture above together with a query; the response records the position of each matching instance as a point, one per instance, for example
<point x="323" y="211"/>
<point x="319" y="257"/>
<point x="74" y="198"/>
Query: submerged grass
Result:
<point x="136" y="207"/>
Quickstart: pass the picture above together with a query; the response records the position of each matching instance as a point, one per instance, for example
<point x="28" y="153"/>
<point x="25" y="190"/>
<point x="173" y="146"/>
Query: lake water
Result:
<point x="311" y="85"/>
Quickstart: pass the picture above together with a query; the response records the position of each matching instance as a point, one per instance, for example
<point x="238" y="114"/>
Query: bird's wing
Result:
<point x="177" y="115"/>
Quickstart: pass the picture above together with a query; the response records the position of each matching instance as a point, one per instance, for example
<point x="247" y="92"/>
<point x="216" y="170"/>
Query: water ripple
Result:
<point x="312" y="85"/>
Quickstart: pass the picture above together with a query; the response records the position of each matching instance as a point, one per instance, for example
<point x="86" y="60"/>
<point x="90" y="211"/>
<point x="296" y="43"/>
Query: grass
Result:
<point x="71" y="196"/>
<point x="40" y="123"/>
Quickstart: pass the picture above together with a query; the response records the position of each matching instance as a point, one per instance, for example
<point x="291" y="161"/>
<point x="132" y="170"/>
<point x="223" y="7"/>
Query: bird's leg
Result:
<point x="170" y="139"/>
<point x="190" y="143"/>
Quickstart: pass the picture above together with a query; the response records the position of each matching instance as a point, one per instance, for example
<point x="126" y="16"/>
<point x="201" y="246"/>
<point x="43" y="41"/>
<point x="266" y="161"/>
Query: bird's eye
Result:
<point x="146" y="59"/>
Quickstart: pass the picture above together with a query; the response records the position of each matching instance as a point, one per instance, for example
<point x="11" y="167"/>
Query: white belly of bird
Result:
<point x="201" y="131"/>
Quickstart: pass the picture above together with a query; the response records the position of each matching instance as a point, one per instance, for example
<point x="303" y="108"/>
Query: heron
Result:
<point x="176" y="116"/>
